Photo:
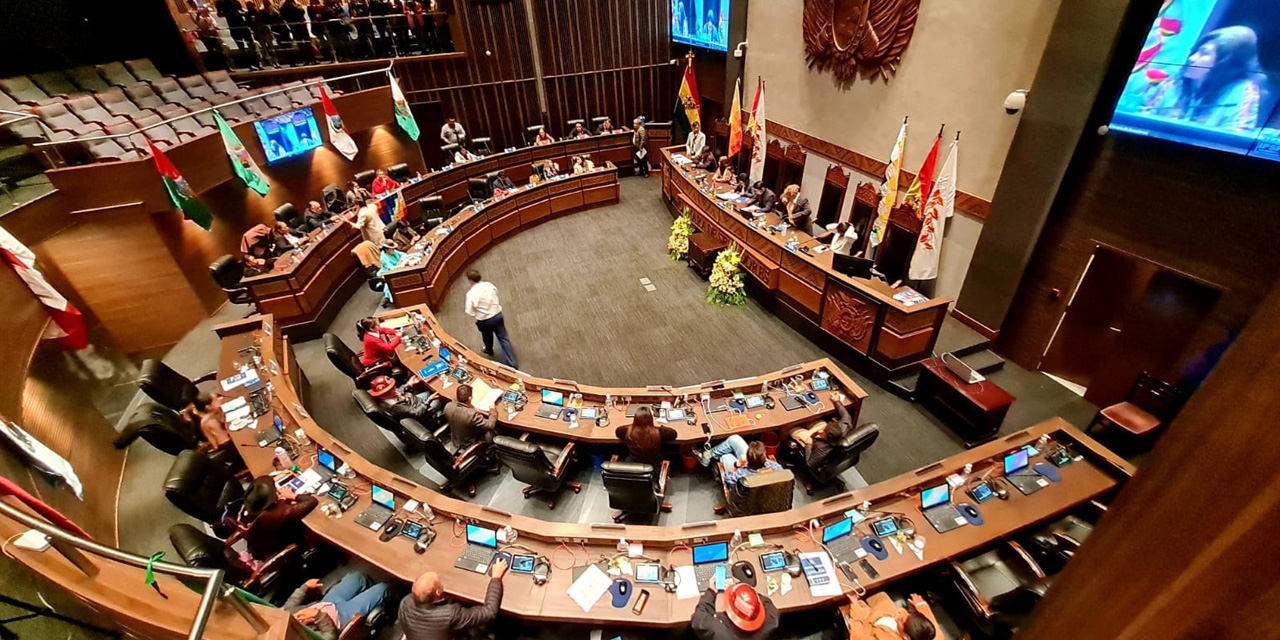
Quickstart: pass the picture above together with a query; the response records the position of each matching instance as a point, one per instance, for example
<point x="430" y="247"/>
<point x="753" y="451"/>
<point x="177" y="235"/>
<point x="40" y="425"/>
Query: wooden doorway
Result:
<point x="1127" y="315"/>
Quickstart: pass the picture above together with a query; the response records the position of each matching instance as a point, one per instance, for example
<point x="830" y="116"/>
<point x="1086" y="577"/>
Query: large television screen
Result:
<point x="1208" y="75"/>
<point x="701" y="23"/>
<point x="288" y="134"/>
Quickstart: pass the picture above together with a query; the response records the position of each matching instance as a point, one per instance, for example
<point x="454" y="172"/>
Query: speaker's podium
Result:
<point x="703" y="249"/>
<point x="974" y="410"/>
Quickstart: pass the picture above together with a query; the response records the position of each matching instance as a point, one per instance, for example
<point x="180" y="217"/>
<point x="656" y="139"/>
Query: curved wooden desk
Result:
<point x="849" y="316"/>
<point x="1098" y="474"/>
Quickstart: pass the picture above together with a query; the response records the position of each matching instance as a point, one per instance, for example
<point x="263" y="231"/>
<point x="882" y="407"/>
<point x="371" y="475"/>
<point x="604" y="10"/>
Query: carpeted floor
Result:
<point x="576" y="308"/>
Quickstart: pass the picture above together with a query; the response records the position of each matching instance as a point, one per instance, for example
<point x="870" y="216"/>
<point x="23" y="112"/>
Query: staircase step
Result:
<point x="984" y="361"/>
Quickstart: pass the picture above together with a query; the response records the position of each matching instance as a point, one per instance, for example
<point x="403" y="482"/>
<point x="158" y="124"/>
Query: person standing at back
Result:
<point x="483" y="306"/>
<point x="426" y="614"/>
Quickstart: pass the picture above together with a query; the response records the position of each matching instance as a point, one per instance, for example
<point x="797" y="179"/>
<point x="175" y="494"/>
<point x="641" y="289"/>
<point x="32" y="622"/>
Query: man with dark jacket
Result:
<point x="328" y="614"/>
<point x="747" y="614"/>
<point x="820" y="439"/>
<point x="425" y="614"/>
<point x="466" y="425"/>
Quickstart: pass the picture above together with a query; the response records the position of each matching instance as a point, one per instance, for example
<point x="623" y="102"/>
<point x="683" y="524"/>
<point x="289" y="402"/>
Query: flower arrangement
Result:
<point x="727" y="287"/>
<point x="681" y="229"/>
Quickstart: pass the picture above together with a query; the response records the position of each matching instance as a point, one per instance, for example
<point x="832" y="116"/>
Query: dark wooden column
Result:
<point x="1188" y="549"/>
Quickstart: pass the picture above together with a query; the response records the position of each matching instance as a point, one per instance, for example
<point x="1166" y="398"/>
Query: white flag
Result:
<point x="758" y="141"/>
<point x="941" y="205"/>
<point x="889" y="192"/>
<point x="337" y="131"/>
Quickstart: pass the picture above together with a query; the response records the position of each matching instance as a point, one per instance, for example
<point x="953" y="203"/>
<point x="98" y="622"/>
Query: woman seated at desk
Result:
<point x="357" y="195"/>
<point x="379" y="343"/>
<point x="274" y="522"/>
<point x="543" y="138"/>
<point x="644" y="439"/>
<point x="389" y="258"/>
<point x="725" y="173"/>
<point x="579" y="132"/>
<point x="464" y="155"/>
<point x="583" y="164"/>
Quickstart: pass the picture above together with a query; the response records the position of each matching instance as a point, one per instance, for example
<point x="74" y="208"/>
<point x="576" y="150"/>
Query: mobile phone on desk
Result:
<point x="641" y="602"/>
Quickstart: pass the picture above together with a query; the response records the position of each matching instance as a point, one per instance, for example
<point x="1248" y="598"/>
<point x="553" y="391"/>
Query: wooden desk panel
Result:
<point x="1100" y="473"/>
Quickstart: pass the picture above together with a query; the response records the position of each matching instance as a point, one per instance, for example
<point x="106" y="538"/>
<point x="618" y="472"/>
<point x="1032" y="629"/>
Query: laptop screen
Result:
<point x="934" y="496"/>
<point x="553" y="397"/>
<point x="718" y="552"/>
<point x="383" y="497"/>
<point x="482" y="536"/>
<point x="1014" y="462"/>
<point x="839" y="529"/>
<point x="327" y="460"/>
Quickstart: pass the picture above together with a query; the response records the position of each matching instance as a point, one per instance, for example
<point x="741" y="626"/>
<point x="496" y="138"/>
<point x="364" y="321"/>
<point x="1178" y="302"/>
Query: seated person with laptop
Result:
<point x="425" y="614"/>
<point x="878" y="618"/>
<point x="820" y="439"/>
<point x="327" y="613"/>
<point x="467" y="425"/>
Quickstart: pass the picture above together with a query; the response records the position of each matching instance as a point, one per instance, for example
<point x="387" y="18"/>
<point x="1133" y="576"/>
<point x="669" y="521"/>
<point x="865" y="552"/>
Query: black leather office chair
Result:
<point x="161" y="427"/>
<point x="634" y="488"/>
<point x="449" y="150"/>
<point x="414" y="438"/>
<point x="334" y="199"/>
<point x="491" y="177"/>
<point x="596" y="122"/>
<point x="1056" y="543"/>
<point x="570" y="124"/>
<point x="348" y="362"/>
<point x="539" y="169"/>
<point x="199" y="549"/>
<point x="458" y="468"/>
<point x="482" y="146"/>
<point x="480" y="189"/>
<point x="289" y="214"/>
<point x="1000" y="588"/>
<point x="365" y="178"/>
<point x="399" y="172"/>
<point x="228" y="272"/>
<point x="431" y="213"/>
<point x="840" y="459"/>
<point x="168" y="387"/>
<point x="543" y="467"/>
<point x="201" y="487"/>
<point x="531" y="134"/>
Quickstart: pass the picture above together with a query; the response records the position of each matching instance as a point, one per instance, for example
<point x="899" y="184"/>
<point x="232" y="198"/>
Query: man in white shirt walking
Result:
<point x="483" y="305"/>
<point x="453" y="133"/>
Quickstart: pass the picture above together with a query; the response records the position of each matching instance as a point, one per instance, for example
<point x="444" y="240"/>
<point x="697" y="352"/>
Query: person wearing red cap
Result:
<point x="747" y="614"/>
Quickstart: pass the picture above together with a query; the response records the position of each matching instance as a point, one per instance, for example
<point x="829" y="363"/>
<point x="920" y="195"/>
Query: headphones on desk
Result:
<point x="541" y="570"/>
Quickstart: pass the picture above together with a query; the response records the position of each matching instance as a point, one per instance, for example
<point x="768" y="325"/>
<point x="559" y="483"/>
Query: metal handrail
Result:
<point x="21" y="116"/>
<point x="69" y="545"/>
<point x="112" y="136"/>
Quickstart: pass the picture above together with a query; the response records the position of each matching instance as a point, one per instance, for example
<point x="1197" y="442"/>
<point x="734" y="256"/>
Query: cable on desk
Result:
<point x="802" y="533"/>
<point x="673" y="551"/>
<point x="573" y="557"/>
<point x="458" y="539"/>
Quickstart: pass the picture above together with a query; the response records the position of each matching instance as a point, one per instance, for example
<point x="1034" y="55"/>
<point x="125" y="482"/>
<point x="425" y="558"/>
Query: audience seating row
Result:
<point x="121" y="98"/>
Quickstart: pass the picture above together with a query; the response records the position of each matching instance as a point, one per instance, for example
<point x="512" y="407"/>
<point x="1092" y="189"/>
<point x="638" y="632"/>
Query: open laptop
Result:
<point x="839" y="541"/>
<point x="482" y="546"/>
<point x="1018" y="474"/>
<point x="935" y="503"/>
<point x="327" y="465"/>
<point x="383" y="507"/>
<point x="706" y="558"/>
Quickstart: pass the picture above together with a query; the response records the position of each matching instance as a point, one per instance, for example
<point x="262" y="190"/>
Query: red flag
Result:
<point x="179" y="191"/>
<point x="922" y="186"/>
<point x="68" y="326"/>
<point x="338" y="135"/>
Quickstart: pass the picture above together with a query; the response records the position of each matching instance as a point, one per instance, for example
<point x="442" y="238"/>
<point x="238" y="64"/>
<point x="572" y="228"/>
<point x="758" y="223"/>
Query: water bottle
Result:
<point x="736" y="539"/>
<point x="426" y="511"/>
<point x="303" y="440"/>
<point x="282" y="458"/>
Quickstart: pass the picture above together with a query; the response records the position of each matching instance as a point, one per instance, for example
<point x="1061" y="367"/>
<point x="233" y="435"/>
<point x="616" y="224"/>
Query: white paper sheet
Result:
<point x="687" y="583"/>
<point x="832" y="587"/>
<point x="587" y="589"/>
<point x="231" y="405"/>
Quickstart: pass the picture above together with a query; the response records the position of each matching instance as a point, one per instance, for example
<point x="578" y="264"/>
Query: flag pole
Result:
<point x="941" y="129"/>
<point x="957" y="136"/>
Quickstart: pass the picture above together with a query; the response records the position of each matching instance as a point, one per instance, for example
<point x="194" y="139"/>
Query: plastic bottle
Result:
<point x="282" y="458"/>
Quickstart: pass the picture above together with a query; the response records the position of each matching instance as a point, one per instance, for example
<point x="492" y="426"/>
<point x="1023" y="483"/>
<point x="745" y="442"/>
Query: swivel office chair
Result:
<point x="168" y="387"/>
<point x="449" y="150"/>
<point x="635" y="489"/>
<point x="543" y="467"/>
<point x="1000" y="587"/>
<point x="228" y="272"/>
<point x="199" y="549"/>
<point x="431" y="213"/>
<point x="161" y="427"/>
<point x="334" y="199"/>
<point x="365" y="178"/>
<point x="596" y="122"/>
<point x="482" y="146"/>
<point x="531" y="134"/>
<point x="457" y="468"/>
<point x="289" y="214"/>
<point x="349" y="363"/>
<point x="479" y="189"/>
<point x="539" y="169"/>
<point x="491" y="177"/>
<point x="1056" y="543"/>
<point x="399" y="172"/>
<point x="201" y="487"/>
<point x="414" y="437"/>
<point x="758" y="493"/>
<point x="843" y="456"/>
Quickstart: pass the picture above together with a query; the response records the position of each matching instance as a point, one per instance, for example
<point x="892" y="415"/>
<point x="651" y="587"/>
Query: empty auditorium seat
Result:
<point x="279" y="102"/>
<point x="164" y="136"/>
<point x="87" y="79"/>
<point x="197" y="87"/>
<point x="116" y="75"/>
<point x="143" y="70"/>
<point x="87" y="109"/>
<point x="259" y="107"/>
<point x="59" y="118"/>
<point x="117" y="103"/>
<point x="142" y="95"/>
<point x="54" y="83"/>
<point x="23" y="90"/>
<point x="221" y="82"/>
<point x="315" y="88"/>
<point x="234" y="113"/>
<point x="170" y="91"/>
<point x="135" y="141"/>
<point x="108" y="151"/>
<point x="298" y="94"/>
<point x="190" y="127"/>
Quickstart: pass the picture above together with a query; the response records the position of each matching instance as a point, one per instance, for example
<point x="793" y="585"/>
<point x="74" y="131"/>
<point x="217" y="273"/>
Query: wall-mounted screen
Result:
<point x="701" y="23"/>
<point x="1208" y="75"/>
<point x="288" y="134"/>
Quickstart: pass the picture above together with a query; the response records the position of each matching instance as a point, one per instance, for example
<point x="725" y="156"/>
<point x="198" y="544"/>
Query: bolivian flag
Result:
<point x="687" y="107"/>
<point x="179" y="191"/>
<point x="735" y="121"/>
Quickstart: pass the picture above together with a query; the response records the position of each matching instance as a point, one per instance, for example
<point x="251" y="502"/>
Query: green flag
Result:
<point x="241" y="162"/>
<point x="403" y="115"/>
<point x="179" y="191"/>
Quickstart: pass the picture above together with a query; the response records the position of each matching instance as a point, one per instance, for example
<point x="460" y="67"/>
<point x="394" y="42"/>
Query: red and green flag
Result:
<point x="688" y="105"/>
<point x="179" y="191"/>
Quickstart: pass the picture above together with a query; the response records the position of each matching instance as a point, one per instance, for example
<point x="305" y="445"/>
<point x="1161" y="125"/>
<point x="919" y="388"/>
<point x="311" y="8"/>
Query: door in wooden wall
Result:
<point x="1128" y="315"/>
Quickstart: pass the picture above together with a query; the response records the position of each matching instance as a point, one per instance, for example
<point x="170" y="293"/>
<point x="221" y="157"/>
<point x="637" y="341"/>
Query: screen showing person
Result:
<point x="1206" y="76"/>
<point x="288" y="134"/>
<point x="701" y="23"/>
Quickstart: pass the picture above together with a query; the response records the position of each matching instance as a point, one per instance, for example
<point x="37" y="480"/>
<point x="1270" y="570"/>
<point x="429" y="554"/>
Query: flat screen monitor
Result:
<point x="701" y="23"/>
<point x="934" y="496"/>
<point x="288" y="134"/>
<point x="851" y="266"/>
<point x="1208" y="75"/>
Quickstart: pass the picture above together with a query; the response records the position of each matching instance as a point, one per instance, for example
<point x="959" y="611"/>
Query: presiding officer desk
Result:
<point x="300" y="289"/>
<point x="1098" y="473"/>
<point x="834" y="309"/>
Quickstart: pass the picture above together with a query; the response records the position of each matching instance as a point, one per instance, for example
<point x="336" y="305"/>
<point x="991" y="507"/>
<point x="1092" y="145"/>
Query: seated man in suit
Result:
<point x="878" y="618"/>
<point x="262" y="244"/>
<point x="314" y="218"/>
<point x="820" y="439"/>
<point x="605" y="127"/>
<point x="466" y="425"/>
<point x="705" y="160"/>
<point x="503" y="183"/>
<point x="798" y="214"/>
<point x="762" y="197"/>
